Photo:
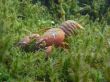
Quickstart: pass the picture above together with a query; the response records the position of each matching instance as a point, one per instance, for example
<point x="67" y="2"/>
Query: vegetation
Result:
<point x="87" y="60"/>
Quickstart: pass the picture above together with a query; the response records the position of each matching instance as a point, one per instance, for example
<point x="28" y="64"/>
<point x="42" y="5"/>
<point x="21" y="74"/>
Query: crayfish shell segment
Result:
<point x="54" y="36"/>
<point x="69" y="27"/>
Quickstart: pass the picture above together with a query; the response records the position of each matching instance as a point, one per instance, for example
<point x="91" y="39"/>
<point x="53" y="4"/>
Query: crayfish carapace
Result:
<point x="53" y="36"/>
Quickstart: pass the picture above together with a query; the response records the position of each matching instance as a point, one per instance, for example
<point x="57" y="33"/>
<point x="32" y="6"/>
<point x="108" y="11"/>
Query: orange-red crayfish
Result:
<point x="53" y="36"/>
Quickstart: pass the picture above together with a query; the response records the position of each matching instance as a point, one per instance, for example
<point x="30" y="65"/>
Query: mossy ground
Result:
<point x="87" y="60"/>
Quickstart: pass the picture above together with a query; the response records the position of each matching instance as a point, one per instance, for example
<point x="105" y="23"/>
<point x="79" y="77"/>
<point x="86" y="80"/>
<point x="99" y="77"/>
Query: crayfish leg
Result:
<point x="48" y="51"/>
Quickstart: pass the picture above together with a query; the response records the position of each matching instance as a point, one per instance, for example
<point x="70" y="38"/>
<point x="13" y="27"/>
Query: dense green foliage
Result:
<point x="87" y="60"/>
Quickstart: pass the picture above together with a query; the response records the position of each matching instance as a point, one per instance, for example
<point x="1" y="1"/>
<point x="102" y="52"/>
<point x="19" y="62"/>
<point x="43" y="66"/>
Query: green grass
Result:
<point x="87" y="60"/>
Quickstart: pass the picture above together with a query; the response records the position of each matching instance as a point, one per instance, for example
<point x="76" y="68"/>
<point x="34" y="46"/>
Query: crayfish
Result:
<point x="53" y="36"/>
